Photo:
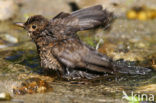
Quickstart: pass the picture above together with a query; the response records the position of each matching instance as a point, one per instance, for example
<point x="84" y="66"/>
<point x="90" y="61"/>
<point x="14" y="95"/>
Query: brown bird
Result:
<point x="60" y="49"/>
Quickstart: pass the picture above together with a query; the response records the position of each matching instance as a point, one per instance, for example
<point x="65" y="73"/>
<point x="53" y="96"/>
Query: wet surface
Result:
<point x="130" y="40"/>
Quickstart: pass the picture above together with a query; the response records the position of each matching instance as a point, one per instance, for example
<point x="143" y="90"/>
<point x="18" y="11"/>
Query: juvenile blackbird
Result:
<point x="60" y="49"/>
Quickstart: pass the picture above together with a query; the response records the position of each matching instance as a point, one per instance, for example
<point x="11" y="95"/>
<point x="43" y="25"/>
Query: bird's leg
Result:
<point x="68" y="74"/>
<point x="77" y="75"/>
<point x="67" y="71"/>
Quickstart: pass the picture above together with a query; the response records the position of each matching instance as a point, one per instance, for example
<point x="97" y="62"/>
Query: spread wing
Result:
<point x="72" y="53"/>
<point x="84" y="19"/>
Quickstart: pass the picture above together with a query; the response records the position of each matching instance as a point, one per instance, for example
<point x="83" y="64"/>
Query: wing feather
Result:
<point x="76" y="55"/>
<point x="84" y="19"/>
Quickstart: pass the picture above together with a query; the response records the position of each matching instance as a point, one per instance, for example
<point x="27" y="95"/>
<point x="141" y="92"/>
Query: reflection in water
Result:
<point x="27" y="58"/>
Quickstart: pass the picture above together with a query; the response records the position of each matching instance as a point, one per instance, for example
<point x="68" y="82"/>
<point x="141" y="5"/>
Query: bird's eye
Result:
<point x="34" y="26"/>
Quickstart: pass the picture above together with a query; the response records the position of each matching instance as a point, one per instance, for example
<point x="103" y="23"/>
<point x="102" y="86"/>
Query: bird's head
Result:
<point x="34" y="25"/>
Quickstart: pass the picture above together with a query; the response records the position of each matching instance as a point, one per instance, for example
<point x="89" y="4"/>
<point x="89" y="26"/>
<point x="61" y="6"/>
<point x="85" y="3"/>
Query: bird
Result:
<point x="61" y="50"/>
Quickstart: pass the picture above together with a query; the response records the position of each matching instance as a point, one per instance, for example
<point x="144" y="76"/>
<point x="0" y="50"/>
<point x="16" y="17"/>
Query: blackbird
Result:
<point x="61" y="50"/>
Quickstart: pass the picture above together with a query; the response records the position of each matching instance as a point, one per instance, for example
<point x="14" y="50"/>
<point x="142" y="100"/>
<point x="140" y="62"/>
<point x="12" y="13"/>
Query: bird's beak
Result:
<point x="20" y="24"/>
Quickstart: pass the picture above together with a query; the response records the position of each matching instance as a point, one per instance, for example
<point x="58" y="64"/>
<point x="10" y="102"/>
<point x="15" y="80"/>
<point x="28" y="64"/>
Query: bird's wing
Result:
<point x="61" y="15"/>
<point x="72" y="53"/>
<point x="84" y="19"/>
<point x="79" y="13"/>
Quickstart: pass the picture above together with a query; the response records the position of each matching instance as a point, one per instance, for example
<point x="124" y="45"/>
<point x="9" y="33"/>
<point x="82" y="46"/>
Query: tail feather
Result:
<point x="122" y="67"/>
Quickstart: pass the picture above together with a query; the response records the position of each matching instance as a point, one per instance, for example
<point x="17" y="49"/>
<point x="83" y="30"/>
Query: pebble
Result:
<point x="11" y="38"/>
<point x="7" y="40"/>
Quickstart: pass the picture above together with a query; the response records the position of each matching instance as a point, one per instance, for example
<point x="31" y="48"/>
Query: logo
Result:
<point x="138" y="97"/>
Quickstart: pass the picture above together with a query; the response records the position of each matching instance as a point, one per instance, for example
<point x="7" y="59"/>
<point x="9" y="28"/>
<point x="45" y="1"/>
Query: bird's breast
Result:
<point x="48" y="61"/>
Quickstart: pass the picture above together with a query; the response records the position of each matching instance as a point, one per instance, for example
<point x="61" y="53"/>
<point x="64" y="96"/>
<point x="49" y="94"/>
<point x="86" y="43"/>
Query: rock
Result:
<point x="8" y="9"/>
<point x="10" y="38"/>
<point x="7" y="40"/>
